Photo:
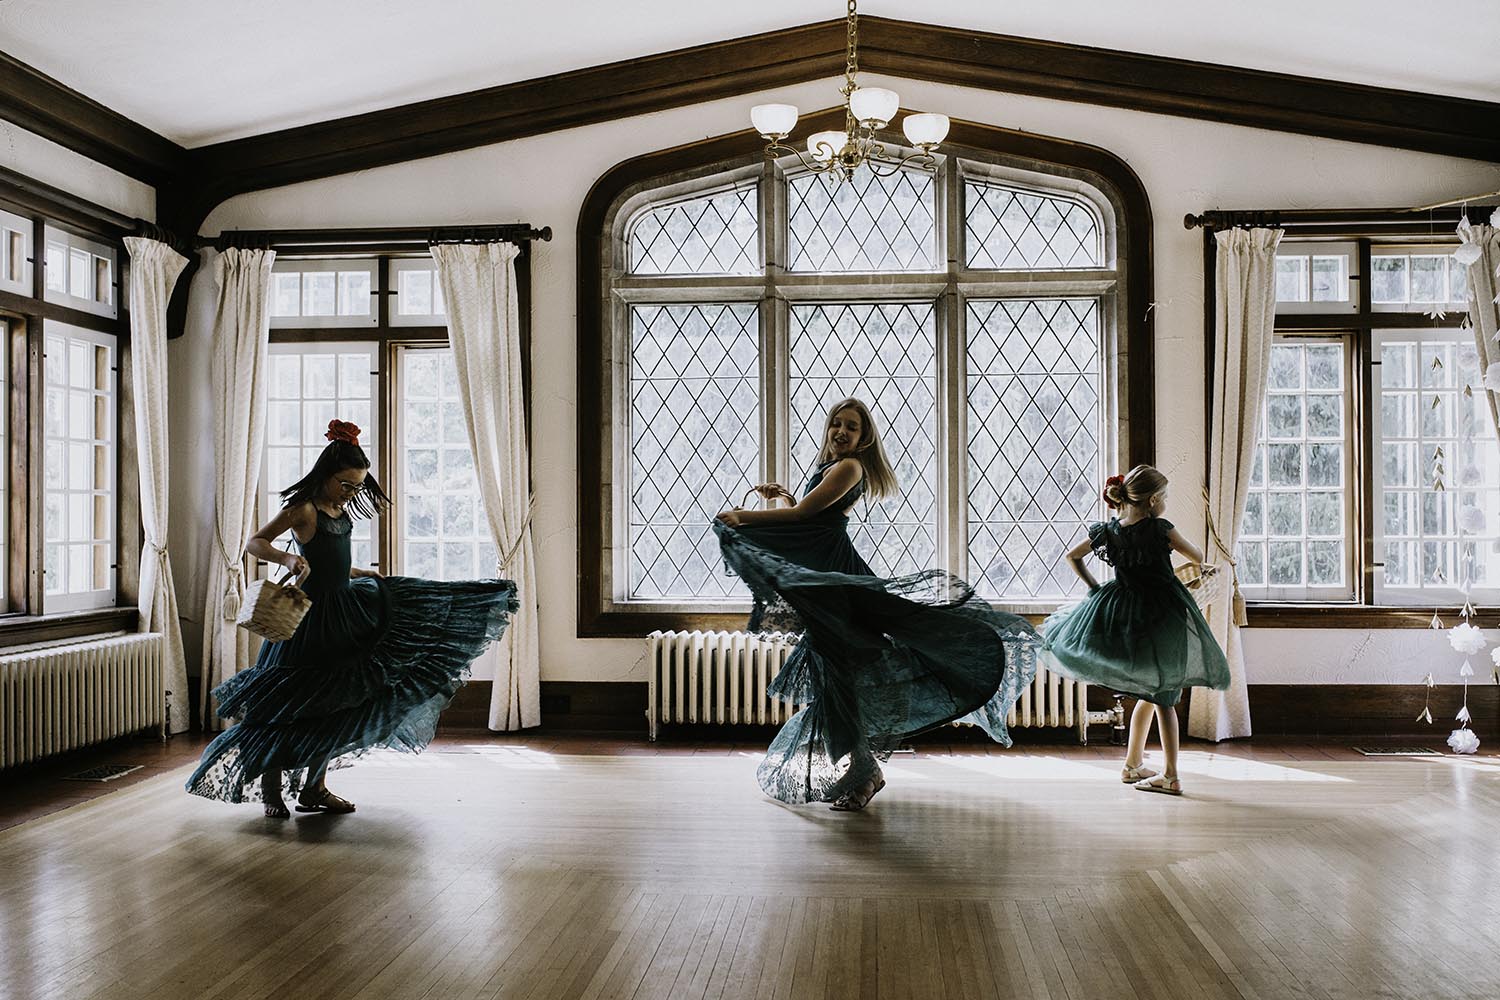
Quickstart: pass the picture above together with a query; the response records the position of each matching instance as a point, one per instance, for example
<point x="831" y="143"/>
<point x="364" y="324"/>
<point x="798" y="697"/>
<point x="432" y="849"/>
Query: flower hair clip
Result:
<point x="342" y="430"/>
<point x="1112" y="481"/>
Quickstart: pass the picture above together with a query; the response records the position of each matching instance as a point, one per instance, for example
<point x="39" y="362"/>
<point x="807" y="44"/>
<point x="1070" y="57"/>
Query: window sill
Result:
<point x="23" y="630"/>
<point x="1266" y="614"/>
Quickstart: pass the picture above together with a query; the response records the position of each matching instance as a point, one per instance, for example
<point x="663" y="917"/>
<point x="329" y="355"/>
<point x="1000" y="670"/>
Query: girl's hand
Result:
<point x="731" y="518"/>
<point x="296" y="565"/>
<point x="356" y="572"/>
<point x="773" y="491"/>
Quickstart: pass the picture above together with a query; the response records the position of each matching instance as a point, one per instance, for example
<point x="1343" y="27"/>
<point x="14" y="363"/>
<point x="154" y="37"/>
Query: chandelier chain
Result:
<point x="851" y="65"/>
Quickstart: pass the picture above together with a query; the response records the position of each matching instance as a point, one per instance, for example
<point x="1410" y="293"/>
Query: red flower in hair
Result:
<point x="1112" y="481"/>
<point x="342" y="430"/>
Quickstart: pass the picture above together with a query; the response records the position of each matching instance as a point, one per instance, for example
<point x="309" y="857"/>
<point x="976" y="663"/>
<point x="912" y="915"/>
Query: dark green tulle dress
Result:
<point x="1140" y="633"/>
<point x="880" y="660"/>
<point x="373" y="664"/>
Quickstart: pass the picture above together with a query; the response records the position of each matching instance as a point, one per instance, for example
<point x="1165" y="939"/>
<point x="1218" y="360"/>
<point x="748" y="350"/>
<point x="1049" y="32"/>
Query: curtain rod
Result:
<point x="1374" y="220"/>
<point x="414" y="236"/>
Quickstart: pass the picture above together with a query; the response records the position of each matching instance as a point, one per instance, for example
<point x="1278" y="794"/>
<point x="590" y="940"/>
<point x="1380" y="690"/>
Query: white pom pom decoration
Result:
<point x="1466" y="639"/>
<point x="1463" y="741"/>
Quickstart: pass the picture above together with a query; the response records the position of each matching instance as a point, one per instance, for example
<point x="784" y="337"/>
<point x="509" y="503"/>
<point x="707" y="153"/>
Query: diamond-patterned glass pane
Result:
<point x="694" y="443"/>
<point x="885" y="354"/>
<point x="716" y="234"/>
<point x="1035" y="426"/>
<point x="1010" y="229"/>
<point x="867" y="224"/>
<point x="1438" y="468"/>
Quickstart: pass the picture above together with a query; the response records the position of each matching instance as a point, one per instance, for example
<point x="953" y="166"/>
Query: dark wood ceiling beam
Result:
<point x="36" y="102"/>
<point x="1451" y="126"/>
<point x="1381" y="116"/>
<point x="532" y="107"/>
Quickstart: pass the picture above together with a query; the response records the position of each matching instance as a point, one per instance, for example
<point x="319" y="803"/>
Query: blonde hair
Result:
<point x="880" y="478"/>
<point x="1138" y="487"/>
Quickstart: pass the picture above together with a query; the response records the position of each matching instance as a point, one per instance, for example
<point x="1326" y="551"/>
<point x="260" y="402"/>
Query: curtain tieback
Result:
<point x="1237" y="602"/>
<point x="234" y="585"/>
<point x="515" y="546"/>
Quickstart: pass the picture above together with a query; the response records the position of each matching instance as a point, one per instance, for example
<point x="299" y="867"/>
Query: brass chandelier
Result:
<point x="866" y="111"/>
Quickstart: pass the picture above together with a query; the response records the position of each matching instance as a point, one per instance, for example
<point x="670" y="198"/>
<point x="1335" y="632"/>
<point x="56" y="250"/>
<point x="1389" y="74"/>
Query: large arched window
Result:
<point x="982" y="310"/>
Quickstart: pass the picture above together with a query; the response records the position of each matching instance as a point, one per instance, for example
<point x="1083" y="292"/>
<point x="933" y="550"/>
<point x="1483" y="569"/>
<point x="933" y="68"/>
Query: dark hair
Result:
<point x="338" y="456"/>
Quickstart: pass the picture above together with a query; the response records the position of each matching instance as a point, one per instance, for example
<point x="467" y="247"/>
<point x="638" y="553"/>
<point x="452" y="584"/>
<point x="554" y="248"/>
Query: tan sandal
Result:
<point x="326" y="802"/>
<point x="1130" y="775"/>
<point x="855" y="801"/>
<point x="1167" y="786"/>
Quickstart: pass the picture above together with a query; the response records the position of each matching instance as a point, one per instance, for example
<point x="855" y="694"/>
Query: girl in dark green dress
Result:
<point x="879" y="660"/>
<point x="1142" y="632"/>
<point x="373" y="663"/>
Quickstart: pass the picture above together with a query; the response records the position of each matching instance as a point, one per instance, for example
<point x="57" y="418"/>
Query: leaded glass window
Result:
<point x="1034" y="441"/>
<point x="1009" y="228"/>
<point x="868" y="224"/>
<point x="883" y="353"/>
<point x="694" y="442"/>
<point x="993" y="396"/>
<point x="713" y="235"/>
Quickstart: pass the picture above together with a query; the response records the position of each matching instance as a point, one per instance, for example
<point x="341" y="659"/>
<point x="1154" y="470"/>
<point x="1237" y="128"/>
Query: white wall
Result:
<point x="44" y="160"/>
<point x="1186" y="166"/>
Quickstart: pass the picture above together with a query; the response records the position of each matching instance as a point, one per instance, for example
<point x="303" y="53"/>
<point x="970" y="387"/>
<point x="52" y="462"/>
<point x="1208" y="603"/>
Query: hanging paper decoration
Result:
<point x="1466" y="639"/>
<point x="1426" y="714"/>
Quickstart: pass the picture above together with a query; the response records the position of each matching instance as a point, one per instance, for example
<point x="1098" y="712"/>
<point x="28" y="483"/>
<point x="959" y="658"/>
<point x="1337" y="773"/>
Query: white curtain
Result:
<point x="1484" y="313"/>
<point x="242" y="326"/>
<point x="1245" y="315"/>
<point x="479" y="287"/>
<point x="154" y="268"/>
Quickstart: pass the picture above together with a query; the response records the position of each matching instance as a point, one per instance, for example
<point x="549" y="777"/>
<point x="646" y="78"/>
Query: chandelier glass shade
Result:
<point x="866" y="111"/>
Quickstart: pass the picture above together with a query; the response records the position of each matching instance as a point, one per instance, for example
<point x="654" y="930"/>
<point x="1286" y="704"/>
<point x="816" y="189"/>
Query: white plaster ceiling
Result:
<point x="200" y="71"/>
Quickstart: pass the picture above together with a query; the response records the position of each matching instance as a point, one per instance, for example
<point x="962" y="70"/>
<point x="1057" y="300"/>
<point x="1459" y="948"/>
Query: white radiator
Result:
<point x="721" y="677"/>
<point x="62" y="697"/>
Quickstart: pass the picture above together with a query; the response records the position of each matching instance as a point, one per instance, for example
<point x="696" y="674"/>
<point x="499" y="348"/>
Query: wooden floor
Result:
<point x="557" y="869"/>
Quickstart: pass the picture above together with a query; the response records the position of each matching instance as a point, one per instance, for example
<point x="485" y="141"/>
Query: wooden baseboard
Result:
<point x="581" y="706"/>
<point x="1275" y="709"/>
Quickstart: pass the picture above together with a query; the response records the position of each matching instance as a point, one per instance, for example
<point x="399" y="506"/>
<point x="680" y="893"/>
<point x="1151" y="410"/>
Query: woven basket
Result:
<point x="1210" y="586"/>
<point x="273" y="610"/>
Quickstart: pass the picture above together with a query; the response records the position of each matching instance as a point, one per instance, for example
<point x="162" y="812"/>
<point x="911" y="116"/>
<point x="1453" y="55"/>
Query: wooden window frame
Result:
<point x="1003" y="148"/>
<point x="1368" y="229"/>
<point x="389" y="338"/>
<point x="23" y="319"/>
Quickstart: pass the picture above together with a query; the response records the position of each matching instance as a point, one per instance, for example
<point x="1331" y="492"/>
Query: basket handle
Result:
<point x="288" y="575"/>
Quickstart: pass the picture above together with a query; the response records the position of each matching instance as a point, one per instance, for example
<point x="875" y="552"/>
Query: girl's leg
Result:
<point x="1166" y="721"/>
<point x="1140" y="730"/>
<point x="270" y="795"/>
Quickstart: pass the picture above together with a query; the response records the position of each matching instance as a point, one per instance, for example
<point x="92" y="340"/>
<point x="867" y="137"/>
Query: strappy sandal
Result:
<point x="855" y="801"/>
<point x="1167" y="786"/>
<point x="327" y="802"/>
<point x="1130" y="775"/>
<point x="277" y="810"/>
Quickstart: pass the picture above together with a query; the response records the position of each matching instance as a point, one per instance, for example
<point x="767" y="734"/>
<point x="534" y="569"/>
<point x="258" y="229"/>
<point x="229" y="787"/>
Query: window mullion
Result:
<point x="952" y="373"/>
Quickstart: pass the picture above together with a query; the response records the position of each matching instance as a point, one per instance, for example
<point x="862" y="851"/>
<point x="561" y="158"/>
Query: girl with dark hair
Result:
<point x="1142" y="632"/>
<point x="373" y="663"/>
<point x="879" y="660"/>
